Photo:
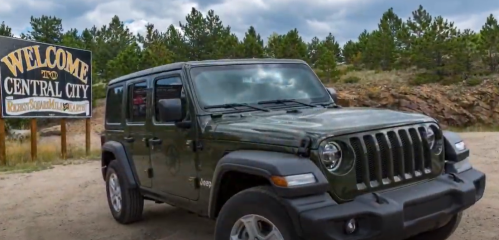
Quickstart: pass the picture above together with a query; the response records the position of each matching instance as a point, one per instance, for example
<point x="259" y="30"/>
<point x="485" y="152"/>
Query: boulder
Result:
<point x="51" y="131"/>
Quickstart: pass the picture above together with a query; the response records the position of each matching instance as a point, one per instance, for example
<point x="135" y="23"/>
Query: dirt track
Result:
<point x="69" y="203"/>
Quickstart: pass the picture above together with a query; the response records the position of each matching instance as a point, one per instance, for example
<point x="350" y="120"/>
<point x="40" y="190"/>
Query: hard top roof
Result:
<point x="179" y="65"/>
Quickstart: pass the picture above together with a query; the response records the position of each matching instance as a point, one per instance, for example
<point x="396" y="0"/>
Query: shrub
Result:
<point x="473" y="82"/>
<point x="98" y="92"/>
<point x="451" y="80"/>
<point x="351" y="79"/>
<point x="18" y="123"/>
<point x="425" y="78"/>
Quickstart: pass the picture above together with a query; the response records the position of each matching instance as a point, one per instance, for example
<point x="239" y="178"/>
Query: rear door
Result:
<point x="136" y="134"/>
<point x="114" y="116"/>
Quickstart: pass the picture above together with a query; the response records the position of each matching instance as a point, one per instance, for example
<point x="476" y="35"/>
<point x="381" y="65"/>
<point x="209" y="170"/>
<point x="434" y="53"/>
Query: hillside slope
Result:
<point x="454" y="105"/>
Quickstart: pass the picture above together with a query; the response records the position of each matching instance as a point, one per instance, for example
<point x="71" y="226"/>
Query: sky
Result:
<point x="345" y="19"/>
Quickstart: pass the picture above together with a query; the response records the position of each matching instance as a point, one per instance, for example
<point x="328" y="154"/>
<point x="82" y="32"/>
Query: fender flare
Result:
<point x="451" y="152"/>
<point x="267" y="164"/>
<point x="121" y="156"/>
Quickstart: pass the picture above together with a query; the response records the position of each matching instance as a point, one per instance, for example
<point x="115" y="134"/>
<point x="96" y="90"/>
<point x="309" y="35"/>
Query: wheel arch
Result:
<point x="113" y="150"/>
<point x="261" y="166"/>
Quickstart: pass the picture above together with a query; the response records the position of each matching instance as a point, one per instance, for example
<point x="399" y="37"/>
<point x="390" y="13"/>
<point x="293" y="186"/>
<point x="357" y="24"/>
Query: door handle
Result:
<point x="129" y="139"/>
<point x="155" y="141"/>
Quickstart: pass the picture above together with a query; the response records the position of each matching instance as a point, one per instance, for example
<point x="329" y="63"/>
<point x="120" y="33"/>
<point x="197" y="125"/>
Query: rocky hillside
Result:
<point x="454" y="105"/>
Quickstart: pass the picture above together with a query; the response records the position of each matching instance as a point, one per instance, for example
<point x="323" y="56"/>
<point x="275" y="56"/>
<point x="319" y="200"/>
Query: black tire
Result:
<point x="441" y="233"/>
<point x="257" y="200"/>
<point x="132" y="202"/>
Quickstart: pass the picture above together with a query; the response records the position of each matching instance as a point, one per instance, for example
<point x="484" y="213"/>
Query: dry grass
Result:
<point x="381" y="77"/>
<point x="477" y="128"/>
<point x="48" y="153"/>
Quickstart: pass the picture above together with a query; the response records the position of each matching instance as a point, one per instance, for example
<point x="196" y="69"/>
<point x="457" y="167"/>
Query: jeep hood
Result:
<point x="288" y="129"/>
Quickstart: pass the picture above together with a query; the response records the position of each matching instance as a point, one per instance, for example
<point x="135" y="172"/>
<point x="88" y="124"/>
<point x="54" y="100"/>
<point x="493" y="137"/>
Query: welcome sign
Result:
<point x="44" y="81"/>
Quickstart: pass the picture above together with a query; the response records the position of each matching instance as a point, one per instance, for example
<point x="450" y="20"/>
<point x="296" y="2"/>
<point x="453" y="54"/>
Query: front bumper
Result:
<point x="393" y="214"/>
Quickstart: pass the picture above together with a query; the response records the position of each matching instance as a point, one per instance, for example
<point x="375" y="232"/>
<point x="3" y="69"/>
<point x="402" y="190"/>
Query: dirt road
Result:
<point x="68" y="202"/>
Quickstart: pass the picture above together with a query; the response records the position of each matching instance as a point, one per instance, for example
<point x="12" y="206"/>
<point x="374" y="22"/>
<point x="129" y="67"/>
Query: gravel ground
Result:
<point x="68" y="202"/>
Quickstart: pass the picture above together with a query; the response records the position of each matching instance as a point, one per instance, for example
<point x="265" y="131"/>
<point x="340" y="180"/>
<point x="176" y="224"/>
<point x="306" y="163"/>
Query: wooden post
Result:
<point x="63" y="139"/>
<point x="33" y="140"/>
<point x="87" y="136"/>
<point x="3" y="159"/>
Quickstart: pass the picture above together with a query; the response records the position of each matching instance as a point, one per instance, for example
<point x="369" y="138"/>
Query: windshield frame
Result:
<point x="201" y="106"/>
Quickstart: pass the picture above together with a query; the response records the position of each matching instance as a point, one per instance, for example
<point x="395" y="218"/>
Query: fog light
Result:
<point x="350" y="226"/>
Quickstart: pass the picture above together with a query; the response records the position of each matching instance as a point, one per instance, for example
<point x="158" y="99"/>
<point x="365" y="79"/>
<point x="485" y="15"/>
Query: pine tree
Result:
<point x="313" y="51"/>
<point x="46" y="29"/>
<point x="327" y="62"/>
<point x="252" y="45"/>
<point x="5" y="30"/>
<point x="489" y="45"/>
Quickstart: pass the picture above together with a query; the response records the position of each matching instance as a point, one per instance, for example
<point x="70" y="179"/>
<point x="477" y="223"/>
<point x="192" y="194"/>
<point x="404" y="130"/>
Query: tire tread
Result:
<point x="132" y="200"/>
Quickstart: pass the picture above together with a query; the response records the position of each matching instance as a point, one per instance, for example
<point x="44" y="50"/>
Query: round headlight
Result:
<point x="430" y="137"/>
<point x="331" y="156"/>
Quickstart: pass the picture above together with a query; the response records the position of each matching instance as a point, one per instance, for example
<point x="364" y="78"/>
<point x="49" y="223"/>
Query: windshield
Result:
<point x="253" y="83"/>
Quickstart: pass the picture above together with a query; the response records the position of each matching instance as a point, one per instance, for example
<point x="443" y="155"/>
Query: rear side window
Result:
<point x="137" y="102"/>
<point x="114" y="103"/>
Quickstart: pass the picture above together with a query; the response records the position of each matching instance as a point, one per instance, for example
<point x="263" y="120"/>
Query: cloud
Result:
<point x="346" y="19"/>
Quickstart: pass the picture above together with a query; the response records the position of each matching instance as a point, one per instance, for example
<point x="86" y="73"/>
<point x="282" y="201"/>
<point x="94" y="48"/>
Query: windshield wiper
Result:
<point x="330" y="105"/>
<point x="287" y="100"/>
<point x="235" y="105"/>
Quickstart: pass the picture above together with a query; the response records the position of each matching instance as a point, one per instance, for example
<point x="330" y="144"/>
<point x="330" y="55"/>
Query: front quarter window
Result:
<point x="253" y="83"/>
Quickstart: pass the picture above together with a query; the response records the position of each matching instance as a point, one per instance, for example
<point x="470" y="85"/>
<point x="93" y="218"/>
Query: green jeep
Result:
<point x="263" y="148"/>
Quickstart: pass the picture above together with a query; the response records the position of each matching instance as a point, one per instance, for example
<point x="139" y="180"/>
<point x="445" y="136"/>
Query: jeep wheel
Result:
<point x="126" y="204"/>
<point x="441" y="233"/>
<point x="254" y="214"/>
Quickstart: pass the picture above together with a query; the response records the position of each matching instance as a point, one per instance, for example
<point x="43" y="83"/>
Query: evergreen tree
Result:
<point x="46" y="29"/>
<point x="490" y="43"/>
<point x="5" y="30"/>
<point x="313" y="51"/>
<point x="252" y="45"/>
<point x="327" y="61"/>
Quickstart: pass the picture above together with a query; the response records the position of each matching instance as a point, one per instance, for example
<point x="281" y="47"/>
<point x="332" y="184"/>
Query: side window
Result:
<point x="166" y="88"/>
<point x="137" y="102"/>
<point x="114" y="104"/>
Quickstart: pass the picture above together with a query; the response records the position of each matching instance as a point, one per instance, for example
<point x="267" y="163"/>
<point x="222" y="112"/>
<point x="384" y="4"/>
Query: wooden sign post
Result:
<point x="3" y="159"/>
<point x="58" y="86"/>
<point x="34" y="140"/>
<point x="63" y="139"/>
<point x="87" y="136"/>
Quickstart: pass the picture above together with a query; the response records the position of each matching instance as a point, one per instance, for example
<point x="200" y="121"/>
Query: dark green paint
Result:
<point x="276" y="130"/>
<point x="287" y="129"/>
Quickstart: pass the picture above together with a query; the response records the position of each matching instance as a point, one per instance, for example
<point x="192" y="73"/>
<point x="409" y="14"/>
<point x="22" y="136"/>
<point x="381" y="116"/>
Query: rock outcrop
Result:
<point x="454" y="105"/>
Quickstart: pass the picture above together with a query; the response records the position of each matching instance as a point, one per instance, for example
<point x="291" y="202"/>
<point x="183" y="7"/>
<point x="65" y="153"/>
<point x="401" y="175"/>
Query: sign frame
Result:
<point x="19" y="44"/>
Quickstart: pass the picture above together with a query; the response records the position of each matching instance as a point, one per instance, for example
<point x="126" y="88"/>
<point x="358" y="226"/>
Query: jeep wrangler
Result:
<point x="262" y="147"/>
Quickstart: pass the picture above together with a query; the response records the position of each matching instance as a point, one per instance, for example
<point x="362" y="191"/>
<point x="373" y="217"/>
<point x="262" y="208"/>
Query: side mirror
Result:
<point x="171" y="110"/>
<point x="333" y="94"/>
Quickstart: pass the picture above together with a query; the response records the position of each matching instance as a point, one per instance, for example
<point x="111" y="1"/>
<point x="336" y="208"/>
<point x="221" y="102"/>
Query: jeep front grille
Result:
<point x="391" y="156"/>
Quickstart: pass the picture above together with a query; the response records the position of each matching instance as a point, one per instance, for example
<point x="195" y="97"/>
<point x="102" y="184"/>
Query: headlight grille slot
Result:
<point x="392" y="155"/>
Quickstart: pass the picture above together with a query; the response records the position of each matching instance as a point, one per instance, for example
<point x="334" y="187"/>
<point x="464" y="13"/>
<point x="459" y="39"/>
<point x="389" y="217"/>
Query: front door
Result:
<point x="172" y="157"/>
<point x="136" y="134"/>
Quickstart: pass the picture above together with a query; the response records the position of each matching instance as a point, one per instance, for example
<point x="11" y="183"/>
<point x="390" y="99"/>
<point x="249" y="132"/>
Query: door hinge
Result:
<point x="150" y="173"/>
